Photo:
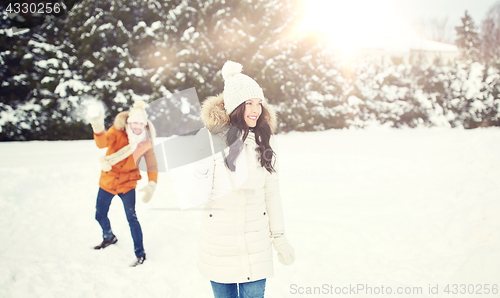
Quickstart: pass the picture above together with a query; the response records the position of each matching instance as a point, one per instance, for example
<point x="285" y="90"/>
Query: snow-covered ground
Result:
<point x="375" y="207"/>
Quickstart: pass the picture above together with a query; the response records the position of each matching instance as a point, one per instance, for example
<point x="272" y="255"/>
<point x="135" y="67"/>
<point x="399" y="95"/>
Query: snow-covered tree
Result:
<point x="86" y="53"/>
<point x="388" y="93"/>
<point x="303" y="80"/>
<point x="468" y="41"/>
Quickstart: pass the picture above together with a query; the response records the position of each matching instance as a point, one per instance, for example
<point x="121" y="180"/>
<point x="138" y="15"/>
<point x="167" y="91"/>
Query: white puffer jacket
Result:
<point x="235" y="235"/>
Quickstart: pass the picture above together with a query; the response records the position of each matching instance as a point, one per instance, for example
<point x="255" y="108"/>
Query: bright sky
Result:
<point x="349" y="21"/>
<point x="453" y="9"/>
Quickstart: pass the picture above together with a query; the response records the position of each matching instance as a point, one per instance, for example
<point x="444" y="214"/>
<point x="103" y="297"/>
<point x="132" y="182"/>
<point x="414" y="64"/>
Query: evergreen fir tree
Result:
<point x="92" y="51"/>
<point x="468" y="39"/>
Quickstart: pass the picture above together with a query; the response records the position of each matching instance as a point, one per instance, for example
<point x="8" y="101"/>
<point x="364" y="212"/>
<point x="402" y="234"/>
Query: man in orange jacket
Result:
<point x="127" y="141"/>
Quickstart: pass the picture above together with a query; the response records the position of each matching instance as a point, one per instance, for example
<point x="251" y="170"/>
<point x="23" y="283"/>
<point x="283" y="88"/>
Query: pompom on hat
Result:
<point x="138" y="113"/>
<point x="238" y="87"/>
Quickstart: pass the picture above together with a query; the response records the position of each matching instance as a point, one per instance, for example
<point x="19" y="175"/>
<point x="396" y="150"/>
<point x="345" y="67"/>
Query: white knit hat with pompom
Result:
<point x="138" y="113"/>
<point x="238" y="87"/>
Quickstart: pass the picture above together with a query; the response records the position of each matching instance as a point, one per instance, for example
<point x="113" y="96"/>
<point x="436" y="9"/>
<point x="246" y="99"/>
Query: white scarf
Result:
<point x="108" y="161"/>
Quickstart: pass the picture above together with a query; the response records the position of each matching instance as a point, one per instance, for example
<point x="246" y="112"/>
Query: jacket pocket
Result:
<point x="134" y="176"/>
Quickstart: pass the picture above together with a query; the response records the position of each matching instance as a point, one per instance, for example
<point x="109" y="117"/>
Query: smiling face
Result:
<point x="253" y="109"/>
<point x="137" y="127"/>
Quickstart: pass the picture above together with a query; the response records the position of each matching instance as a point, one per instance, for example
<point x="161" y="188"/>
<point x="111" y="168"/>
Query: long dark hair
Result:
<point x="262" y="132"/>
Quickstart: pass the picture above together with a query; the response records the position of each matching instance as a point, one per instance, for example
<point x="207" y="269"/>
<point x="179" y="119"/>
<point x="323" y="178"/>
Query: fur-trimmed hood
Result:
<point x="213" y="113"/>
<point x="121" y="122"/>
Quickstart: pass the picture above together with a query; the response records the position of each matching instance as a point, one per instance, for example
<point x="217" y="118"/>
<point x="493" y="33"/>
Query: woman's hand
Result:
<point x="286" y="253"/>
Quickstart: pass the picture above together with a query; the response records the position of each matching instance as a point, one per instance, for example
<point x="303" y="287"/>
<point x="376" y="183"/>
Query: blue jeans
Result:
<point x="101" y="215"/>
<point x="254" y="289"/>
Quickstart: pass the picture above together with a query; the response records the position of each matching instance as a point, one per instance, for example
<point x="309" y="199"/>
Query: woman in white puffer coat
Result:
<point x="244" y="216"/>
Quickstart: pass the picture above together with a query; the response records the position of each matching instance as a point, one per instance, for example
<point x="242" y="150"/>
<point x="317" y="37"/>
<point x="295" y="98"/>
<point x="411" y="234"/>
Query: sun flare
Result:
<point x="348" y="23"/>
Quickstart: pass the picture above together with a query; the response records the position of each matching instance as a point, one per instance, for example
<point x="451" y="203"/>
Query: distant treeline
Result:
<point x="119" y="51"/>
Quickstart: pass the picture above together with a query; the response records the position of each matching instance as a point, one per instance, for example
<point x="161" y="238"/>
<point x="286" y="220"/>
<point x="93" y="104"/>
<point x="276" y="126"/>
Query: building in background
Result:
<point x="403" y="48"/>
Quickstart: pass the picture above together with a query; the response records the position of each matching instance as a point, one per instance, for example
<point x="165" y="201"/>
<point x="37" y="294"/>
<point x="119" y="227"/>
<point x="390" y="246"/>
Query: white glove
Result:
<point x="95" y="116"/>
<point x="286" y="253"/>
<point x="148" y="191"/>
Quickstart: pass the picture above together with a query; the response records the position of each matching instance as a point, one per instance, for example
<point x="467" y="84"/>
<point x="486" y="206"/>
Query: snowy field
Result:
<point x="377" y="207"/>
